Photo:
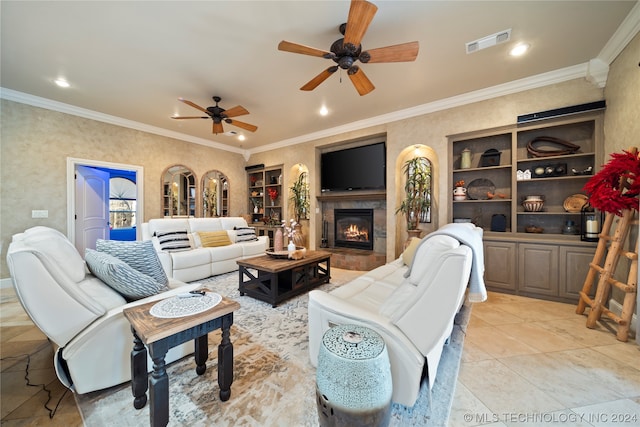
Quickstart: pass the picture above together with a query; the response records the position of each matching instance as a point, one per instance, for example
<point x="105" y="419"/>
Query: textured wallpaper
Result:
<point x="35" y="145"/>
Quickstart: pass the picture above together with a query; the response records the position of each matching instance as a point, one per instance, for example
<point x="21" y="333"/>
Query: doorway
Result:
<point x="85" y="233"/>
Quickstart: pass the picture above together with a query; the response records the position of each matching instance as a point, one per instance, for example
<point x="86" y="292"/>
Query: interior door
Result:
<point x="92" y="207"/>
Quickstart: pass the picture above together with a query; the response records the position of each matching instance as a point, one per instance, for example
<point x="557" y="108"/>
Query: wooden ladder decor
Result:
<point x="605" y="273"/>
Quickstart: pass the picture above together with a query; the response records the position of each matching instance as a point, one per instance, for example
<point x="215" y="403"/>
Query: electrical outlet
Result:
<point x="40" y="214"/>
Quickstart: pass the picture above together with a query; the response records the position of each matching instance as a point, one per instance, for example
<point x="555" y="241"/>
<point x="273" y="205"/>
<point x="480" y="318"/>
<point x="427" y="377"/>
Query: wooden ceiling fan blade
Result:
<point x="190" y="117"/>
<point x="404" y="52"/>
<point x="243" y="125"/>
<point x="302" y="49"/>
<point x="196" y="106"/>
<point x="361" y="14"/>
<point x="217" y="128"/>
<point x="236" y="111"/>
<point x="361" y="82"/>
<point x="315" y="82"/>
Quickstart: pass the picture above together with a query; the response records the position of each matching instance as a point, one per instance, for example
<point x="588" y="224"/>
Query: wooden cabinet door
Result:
<point x="500" y="265"/>
<point x="574" y="266"/>
<point x="538" y="269"/>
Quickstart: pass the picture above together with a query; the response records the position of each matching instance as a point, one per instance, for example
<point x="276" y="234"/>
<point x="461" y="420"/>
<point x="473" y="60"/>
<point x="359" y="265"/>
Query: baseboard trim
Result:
<point x="616" y="308"/>
<point x="5" y="283"/>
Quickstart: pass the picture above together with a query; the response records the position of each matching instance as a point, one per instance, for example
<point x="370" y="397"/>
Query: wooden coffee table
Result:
<point x="280" y="279"/>
<point x="161" y="334"/>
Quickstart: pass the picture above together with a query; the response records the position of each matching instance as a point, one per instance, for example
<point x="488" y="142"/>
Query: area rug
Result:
<point x="274" y="381"/>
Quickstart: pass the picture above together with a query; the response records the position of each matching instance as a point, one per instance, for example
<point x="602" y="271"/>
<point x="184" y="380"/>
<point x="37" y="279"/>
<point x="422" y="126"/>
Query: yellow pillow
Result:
<point x="209" y="239"/>
<point x="410" y="251"/>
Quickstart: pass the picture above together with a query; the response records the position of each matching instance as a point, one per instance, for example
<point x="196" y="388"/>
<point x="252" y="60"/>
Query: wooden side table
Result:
<point x="158" y="335"/>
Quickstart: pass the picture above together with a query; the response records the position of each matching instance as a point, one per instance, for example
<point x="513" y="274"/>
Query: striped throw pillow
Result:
<point x="141" y="255"/>
<point x="210" y="239"/>
<point x="174" y="241"/>
<point x="121" y="277"/>
<point x="245" y="234"/>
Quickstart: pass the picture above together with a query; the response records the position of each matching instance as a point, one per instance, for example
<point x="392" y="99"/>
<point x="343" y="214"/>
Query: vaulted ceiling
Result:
<point x="129" y="62"/>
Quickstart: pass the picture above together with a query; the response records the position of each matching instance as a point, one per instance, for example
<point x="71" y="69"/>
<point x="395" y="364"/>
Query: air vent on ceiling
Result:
<point x="489" y="41"/>
<point x="231" y="133"/>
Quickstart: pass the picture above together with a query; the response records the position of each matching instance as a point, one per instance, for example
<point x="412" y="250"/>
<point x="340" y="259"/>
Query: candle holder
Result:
<point x="590" y="223"/>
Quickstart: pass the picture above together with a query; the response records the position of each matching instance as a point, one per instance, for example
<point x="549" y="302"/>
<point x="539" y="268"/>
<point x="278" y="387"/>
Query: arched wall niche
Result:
<point x="409" y="152"/>
<point x="215" y="194"/>
<point x="298" y="200"/>
<point x="178" y="192"/>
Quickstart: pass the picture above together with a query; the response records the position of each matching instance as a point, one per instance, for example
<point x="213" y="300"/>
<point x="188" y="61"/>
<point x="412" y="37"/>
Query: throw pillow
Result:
<point x="174" y="241"/>
<point x="122" y="278"/>
<point x="410" y="251"/>
<point x="141" y="255"/>
<point x="245" y="234"/>
<point x="210" y="239"/>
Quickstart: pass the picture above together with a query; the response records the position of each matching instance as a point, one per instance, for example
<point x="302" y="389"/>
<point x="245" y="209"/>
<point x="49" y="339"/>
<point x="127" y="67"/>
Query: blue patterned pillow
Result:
<point x="122" y="278"/>
<point x="141" y="255"/>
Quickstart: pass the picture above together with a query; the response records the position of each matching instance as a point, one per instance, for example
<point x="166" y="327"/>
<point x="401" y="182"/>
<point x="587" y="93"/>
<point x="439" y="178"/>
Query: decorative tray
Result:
<point x="574" y="203"/>
<point x="479" y="189"/>
<point x="280" y="254"/>
<point x="186" y="304"/>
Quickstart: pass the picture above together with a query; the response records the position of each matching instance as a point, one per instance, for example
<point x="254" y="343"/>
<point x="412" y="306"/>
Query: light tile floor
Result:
<point x="526" y="362"/>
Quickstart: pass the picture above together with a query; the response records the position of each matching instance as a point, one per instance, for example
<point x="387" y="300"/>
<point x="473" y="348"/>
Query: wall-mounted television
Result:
<point x="357" y="168"/>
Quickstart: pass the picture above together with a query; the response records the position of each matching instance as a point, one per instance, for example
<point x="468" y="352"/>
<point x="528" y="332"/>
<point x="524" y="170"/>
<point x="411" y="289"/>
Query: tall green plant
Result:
<point x="300" y="197"/>
<point x="417" y="188"/>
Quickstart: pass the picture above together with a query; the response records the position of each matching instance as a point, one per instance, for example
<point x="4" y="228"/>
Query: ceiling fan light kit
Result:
<point x="347" y="50"/>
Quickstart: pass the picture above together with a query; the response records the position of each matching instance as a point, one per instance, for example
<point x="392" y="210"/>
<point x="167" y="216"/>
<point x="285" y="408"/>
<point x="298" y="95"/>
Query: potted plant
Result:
<point x="300" y="198"/>
<point x="417" y="188"/>
<point x="300" y="202"/>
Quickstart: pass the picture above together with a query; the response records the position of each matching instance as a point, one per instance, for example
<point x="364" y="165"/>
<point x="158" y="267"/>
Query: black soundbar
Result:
<point x="248" y="168"/>
<point x="565" y="111"/>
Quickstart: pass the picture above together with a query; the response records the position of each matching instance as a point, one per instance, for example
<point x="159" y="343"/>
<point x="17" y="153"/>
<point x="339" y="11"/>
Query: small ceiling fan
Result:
<point x="346" y="51"/>
<point x="219" y="114"/>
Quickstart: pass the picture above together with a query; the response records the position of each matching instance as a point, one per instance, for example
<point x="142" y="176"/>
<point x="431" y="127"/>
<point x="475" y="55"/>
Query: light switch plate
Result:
<point x="40" y="214"/>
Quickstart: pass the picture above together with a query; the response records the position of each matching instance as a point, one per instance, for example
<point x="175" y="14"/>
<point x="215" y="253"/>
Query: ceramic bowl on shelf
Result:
<point x="533" y="205"/>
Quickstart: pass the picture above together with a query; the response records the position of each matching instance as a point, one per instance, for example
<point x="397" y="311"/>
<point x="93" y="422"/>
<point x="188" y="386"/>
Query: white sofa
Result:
<point x="80" y="314"/>
<point x="413" y="314"/>
<point x="202" y="262"/>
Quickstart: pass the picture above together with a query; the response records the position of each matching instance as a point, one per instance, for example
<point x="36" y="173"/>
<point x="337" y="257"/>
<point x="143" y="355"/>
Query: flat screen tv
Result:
<point x="358" y="168"/>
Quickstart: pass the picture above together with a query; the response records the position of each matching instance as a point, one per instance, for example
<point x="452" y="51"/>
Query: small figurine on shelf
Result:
<point x="273" y="195"/>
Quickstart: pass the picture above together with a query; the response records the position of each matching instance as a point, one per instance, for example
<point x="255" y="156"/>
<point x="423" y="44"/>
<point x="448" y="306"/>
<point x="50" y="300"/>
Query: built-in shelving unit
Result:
<point x="517" y="261"/>
<point x="261" y="184"/>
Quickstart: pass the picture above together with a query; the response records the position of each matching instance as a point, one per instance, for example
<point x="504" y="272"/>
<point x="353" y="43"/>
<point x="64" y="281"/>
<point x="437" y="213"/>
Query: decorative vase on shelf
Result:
<point x="273" y="202"/>
<point x="255" y="209"/>
<point x="277" y="240"/>
<point x="291" y="246"/>
<point x="459" y="193"/>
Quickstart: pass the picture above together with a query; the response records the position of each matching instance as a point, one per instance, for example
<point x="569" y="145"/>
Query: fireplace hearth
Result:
<point x="353" y="228"/>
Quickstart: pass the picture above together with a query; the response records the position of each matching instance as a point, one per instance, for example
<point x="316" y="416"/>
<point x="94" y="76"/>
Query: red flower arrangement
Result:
<point x="273" y="193"/>
<point x="617" y="186"/>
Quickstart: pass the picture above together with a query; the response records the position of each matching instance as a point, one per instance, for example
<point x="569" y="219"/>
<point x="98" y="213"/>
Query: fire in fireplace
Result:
<point x="353" y="228"/>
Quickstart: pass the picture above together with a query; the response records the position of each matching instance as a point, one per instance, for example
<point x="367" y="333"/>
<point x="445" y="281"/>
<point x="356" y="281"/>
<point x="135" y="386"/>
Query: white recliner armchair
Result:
<point x="80" y="314"/>
<point x="413" y="314"/>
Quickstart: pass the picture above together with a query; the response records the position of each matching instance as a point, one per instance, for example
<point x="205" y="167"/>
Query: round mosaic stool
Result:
<point x="353" y="378"/>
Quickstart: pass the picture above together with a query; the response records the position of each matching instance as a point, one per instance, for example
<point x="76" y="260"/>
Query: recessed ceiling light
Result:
<point x="241" y="137"/>
<point x="324" y="111"/>
<point x="519" y="50"/>
<point x="61" y="82"/>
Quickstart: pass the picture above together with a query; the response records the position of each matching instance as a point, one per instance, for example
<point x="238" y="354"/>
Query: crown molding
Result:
<point x="540" y="80"/>
<point x="623" y="35"/>
<point x="36" y="101"/>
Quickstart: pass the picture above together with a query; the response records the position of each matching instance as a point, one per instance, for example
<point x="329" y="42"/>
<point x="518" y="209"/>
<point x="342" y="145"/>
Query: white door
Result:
<point x="91" y="207"/>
